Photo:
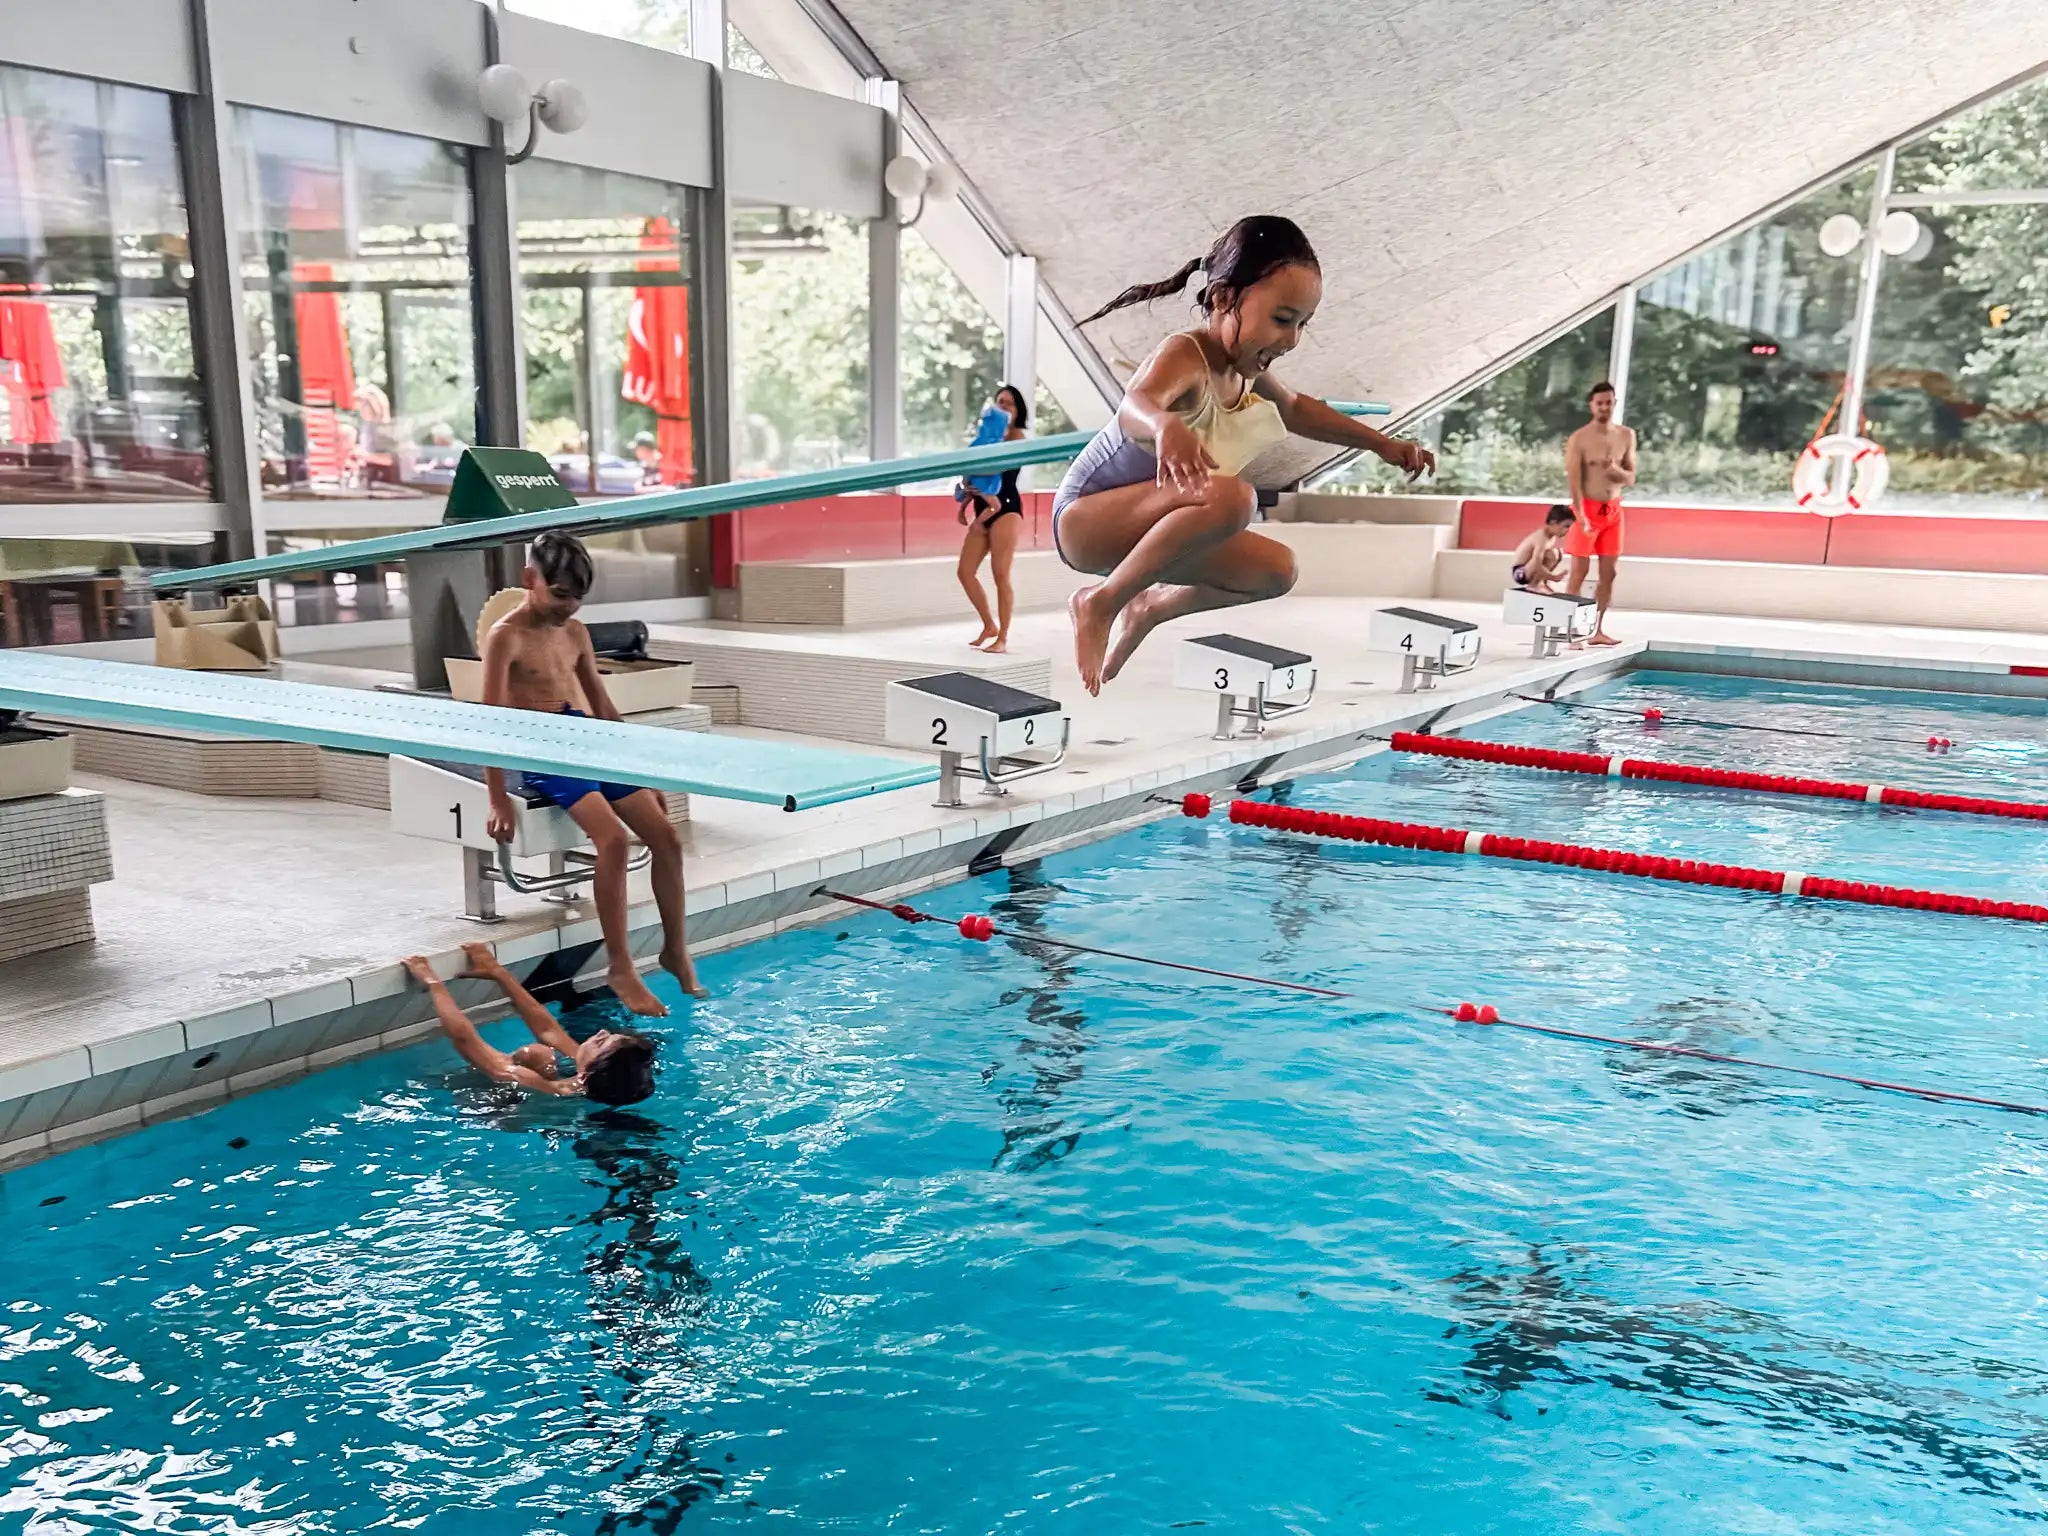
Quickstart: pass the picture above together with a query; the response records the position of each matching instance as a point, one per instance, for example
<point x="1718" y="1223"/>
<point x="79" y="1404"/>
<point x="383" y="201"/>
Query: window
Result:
<point x="355" y="250"/>
<point x="800" y="340"/>
<point x="742" y="56"/>
<point x="99" y="396"/>
<point x="1740" y="356"/>
<point x="952" y="352"/>
<point x="654" y="23"/>
<point x="611" y="326"/>
<point x="1505" y="438"/>
<point x="1958" y="383"/>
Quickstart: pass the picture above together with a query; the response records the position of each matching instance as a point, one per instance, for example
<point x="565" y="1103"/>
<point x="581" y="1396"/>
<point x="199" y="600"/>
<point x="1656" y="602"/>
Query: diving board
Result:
<point x="418" y="725"/>
<point x="674" y="506"/>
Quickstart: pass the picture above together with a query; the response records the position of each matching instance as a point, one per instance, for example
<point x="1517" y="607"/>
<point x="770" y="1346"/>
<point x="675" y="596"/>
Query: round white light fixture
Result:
<point x="943" y="183"/>
<point x="563" y="106"/>
<point x="905" y="177"/>
<point x="1899" y="233"/>
<point x="504" y="94"/>
<point x="1841" y="234"/>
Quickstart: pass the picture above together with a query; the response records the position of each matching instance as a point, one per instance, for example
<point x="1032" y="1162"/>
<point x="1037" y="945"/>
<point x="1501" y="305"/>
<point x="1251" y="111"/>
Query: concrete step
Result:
<point x="1753" y="589"/>
<point x="907" y="591"/>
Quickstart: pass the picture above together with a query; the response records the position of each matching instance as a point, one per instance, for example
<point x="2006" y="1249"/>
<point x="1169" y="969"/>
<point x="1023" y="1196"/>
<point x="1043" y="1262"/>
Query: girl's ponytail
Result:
<point x="1144" y="293"/>
<point x="1249" y="250"/>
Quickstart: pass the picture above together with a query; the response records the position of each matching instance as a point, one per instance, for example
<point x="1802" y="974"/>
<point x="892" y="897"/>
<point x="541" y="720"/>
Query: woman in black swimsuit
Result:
<point x="992" y="535"/>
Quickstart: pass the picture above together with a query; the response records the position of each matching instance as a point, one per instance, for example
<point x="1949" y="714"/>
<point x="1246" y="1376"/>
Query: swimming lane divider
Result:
<point x="981" y="928"/>
<point x="1396" y="834"/>
<point x="1695" y="773"/>
<point x="1660" y="717"/>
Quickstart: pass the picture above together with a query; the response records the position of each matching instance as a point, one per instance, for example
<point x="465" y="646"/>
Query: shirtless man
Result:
<point x="530" y="657"/>
<point x="1599" y="462"/>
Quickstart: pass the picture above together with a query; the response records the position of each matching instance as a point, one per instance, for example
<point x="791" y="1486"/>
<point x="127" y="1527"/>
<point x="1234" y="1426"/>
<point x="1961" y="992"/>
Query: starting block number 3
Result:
<point x="1284" y="682"/>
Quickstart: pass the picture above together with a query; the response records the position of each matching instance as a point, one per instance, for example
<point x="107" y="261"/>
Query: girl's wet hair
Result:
<point x="1022" y="415"/>
<point x="1249" y="250"/>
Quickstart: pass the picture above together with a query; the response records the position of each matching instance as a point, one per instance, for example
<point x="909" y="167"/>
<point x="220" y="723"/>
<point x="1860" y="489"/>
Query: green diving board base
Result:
<point x="677" y="506"/>
<point x="419" y="725"/>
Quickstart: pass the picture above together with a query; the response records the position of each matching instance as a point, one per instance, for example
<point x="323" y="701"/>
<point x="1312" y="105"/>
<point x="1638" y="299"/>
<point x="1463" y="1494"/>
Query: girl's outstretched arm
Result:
<point x="1170" y="377"/>
<point x="1306" y="416"/>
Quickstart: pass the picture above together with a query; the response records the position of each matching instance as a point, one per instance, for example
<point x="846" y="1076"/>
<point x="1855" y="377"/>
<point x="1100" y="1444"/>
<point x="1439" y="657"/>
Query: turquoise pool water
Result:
<point x="926" y="1236"/>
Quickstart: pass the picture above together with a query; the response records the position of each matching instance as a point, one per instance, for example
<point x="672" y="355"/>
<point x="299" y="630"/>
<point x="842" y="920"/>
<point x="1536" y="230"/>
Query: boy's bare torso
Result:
<point x="540" y="662"/>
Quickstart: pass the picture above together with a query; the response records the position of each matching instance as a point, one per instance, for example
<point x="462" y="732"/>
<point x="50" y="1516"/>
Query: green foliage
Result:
<point x="800" y="322"/>
<point x="952" y="352"/>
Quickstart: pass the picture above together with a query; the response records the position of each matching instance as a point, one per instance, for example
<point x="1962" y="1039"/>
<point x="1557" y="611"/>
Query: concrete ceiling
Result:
<point x="1473" y="172"/>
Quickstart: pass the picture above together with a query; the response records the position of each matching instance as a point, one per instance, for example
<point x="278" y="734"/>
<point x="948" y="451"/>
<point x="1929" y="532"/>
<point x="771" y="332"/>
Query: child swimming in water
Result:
<point x="1154" y="505"/>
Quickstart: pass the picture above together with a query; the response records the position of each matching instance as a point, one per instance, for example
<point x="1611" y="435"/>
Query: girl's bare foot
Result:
<point x="982" y="639"/>
<point x="1092" y="618"/>
<point x="632" y="991"/>
<point x="1138" y="621"/>
<point x="678" y="964"/>
<point x="1000" y="646"/>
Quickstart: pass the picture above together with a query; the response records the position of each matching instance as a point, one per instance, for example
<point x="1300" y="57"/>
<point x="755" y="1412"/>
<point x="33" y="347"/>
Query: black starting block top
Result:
<point x="998" y="699"/>
<point x="1436" y="620"/>
<point x="1251" y="650"/>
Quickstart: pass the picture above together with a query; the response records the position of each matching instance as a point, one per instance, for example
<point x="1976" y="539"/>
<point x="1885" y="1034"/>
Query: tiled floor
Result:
<point x="217" y="901"/>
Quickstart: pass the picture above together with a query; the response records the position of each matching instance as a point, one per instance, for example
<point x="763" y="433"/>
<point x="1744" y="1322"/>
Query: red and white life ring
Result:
<point x="1864" y="474"/>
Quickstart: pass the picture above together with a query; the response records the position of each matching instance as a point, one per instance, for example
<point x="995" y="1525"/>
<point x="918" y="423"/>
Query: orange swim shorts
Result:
<point x="1597" y="532"/>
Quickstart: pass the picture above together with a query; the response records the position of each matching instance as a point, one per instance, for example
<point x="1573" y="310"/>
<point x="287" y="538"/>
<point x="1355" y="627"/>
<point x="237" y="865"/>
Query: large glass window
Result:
<point x="1505" y="438"/>
<point x="1958" y="384"/>
<point x="800" y="340"/>
<point x="610" y="319"/>
<point x="655" y="23"/>
<point x="355" y="251"/>
<point x="1740" y="355"/>
<point x="99" y="395"/>
<point x="952" y="352"/>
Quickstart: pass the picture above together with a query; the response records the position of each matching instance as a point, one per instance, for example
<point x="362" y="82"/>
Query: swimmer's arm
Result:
<point x="541" y="1024"/>
<point x="1170" y="376"/>
<point x="473" y="1048"/>
<point x="588" y="677"/>
<point x="497" y="661"/>
<point x="1306" y="416"/>
<point x="1625" y="466"/>
<point x="1574" y="474"/>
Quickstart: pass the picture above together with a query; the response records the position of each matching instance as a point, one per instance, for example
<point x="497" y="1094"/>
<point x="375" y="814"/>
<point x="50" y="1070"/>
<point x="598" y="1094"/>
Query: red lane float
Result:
<point x="1721" y="778"/>
<point x="1397" y="834"/>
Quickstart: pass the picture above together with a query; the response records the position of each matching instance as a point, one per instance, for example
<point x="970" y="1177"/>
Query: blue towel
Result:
<point x="992" y="428"/>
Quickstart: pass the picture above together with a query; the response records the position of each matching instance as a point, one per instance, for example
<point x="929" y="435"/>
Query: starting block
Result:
<point x="1250" y="682"/>
<point x="1430" y="646"/>
<point x="1554" y="618"/>
<point x="448" y="803"/>
<point x="993" y="729"/>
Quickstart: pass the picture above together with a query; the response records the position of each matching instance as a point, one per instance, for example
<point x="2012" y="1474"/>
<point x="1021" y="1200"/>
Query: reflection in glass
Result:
<point x="99" y="397"/>
<point x="800" y="340"/>
<point x="355" y="249"/>
<point x="653" y="23"/>
<point x="1740" y="356"/>
<point x="1996" y="147"/>
<point x="610" y="335"/>
<point x="952" y="352"/>
<point x="1506" y="437"/>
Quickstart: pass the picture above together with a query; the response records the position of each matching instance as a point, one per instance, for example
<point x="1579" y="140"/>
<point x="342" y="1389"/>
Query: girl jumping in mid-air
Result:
<point x="1154" y="504"/>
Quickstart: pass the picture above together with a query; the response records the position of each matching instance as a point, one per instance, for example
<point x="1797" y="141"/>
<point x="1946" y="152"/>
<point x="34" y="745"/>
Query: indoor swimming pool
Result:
<point x="923" y="1235"/>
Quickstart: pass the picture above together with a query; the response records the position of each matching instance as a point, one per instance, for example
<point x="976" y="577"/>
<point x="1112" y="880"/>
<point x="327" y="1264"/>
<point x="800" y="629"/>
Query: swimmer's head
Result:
<point x="1560" y="517"/>
<point x="1600" y="401"/>
<point x="616" y="1067"/>
<point x="558" y="575"/>
<point x="1263" y="284"/>
<point x="537" y="1059"/>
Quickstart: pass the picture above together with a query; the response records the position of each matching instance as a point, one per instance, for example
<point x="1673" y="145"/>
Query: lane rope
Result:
<point x="1398" y="834"/>
<point x="980" y="928"/>
<point x="1555" y="761"/>
<point x="1654" y="716"/>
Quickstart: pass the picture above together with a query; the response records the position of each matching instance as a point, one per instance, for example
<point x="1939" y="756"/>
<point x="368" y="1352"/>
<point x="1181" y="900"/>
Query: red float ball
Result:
<point x="1653" y="715"/>
<point x="977" y="927"/>
<point x="1195" y="805"/>
<point x="1466" y="1014"/>
<point x="1488" y="1014"/>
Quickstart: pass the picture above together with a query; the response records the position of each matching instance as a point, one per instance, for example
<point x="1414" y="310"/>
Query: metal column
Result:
<point x="1621" y="351"/>
<point x="1020" y="325"/>
<point x="711" y="247"/>
<point x="885" y="284"/>
<point x="1866" y="296"/>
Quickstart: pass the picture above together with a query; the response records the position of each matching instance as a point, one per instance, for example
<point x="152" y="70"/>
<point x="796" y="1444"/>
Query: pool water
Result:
<point x="925" y="1236"/>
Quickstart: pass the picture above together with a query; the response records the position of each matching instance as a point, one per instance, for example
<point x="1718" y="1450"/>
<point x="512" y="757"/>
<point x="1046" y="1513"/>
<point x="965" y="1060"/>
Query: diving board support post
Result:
<point x="1250" y="681"/>
<point x="1430" y="646"/>
<point x="987" y="728"/>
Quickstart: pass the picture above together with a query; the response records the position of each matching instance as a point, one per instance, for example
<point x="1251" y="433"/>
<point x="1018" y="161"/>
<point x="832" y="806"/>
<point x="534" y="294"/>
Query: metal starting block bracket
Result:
<point x="1430" y="646"/>
<point x="989" y="729"/>
<point x="1250" y="682"/>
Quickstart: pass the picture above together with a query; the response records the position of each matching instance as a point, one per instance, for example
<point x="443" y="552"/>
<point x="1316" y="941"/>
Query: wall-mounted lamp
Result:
<point x="559" y="105"/>
<point x="1899" y="233"/>
<point x="907" y="176"/>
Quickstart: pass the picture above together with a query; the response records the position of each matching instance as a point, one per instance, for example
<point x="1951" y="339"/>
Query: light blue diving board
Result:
<point x="418" y="725"/>
<point x="677" y="506"/>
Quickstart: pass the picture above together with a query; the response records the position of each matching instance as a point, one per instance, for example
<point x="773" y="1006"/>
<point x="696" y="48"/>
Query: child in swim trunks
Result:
<point x="539" y="657"/>
<point x="1155" y="505"/>
<point x="612" y="1066"/>
<point x="1540" y="557"/>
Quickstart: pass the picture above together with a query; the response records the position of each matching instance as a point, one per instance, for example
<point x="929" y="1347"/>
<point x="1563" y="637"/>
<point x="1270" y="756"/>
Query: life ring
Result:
<point x="1819" y="489"/>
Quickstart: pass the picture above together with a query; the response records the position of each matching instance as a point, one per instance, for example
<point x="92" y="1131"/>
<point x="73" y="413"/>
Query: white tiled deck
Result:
<point x="244" y="940"/>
